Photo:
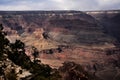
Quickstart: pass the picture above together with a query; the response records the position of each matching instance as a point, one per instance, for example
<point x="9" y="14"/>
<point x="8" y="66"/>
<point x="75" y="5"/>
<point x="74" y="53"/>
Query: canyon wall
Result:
<point x="87" y="38"/>
<point x="110" y="20"/>
<point x="58" y="27"/>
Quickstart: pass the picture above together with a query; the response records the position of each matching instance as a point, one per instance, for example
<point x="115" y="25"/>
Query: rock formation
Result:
<point x="110" y="20"/>
<point x="70" y="27"/>
<point x="87" y="38"/>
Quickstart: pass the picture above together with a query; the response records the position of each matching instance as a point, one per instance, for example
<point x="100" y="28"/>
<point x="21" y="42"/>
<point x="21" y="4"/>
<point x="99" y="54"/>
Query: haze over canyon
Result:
<point x="88" y="38"/>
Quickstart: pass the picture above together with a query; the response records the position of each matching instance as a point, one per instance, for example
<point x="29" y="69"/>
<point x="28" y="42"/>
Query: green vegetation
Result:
<point x="4" y="42"/>
<point x="16" y="53"/>
<point x="35" y="53"/>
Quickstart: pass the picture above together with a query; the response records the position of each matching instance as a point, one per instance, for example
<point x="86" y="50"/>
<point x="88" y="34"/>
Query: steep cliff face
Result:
<point x="75" y="36"/>
<point x="70" y="27"/>
<point x="110" y="21"/>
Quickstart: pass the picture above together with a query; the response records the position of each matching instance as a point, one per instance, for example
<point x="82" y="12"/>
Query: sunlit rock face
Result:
<point x="59" y="27"/>
<point x="87" y="38"/>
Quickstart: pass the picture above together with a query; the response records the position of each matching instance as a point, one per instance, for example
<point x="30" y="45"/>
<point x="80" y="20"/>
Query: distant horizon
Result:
<point x="56" y="10"/>
<point x="50" y="5"/>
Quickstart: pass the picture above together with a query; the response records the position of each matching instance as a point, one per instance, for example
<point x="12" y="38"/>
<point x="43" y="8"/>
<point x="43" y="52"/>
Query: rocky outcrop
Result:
<point x="12" y="71"/>
<point x="73" y="71"/>
<point x="87" y="39"/>
<point x="110" y="20"/>
<point x="62" y="27"/>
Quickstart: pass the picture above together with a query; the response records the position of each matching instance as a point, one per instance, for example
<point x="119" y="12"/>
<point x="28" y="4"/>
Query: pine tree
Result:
<point x="16" y="53"/>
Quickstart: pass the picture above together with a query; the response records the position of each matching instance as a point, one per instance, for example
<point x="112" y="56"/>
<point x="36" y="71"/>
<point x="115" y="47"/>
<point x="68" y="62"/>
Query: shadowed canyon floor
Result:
<point x="87" y="38"/>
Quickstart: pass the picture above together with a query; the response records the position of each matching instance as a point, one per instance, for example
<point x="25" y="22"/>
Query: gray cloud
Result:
<point x="59" y="4"/>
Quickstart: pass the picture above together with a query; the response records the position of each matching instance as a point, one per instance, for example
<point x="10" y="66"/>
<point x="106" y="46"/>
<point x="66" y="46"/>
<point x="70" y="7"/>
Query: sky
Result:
<point x="81" y="5"/>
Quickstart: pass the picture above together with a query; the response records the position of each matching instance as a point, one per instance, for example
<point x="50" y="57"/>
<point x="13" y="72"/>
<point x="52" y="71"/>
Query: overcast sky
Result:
<point x="81" y="5"/>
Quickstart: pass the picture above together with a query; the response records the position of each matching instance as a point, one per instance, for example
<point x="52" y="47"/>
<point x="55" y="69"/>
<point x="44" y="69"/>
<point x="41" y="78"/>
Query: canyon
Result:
<point x="89" y="38"/>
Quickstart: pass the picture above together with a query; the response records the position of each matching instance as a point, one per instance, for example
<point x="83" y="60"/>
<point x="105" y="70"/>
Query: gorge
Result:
<point x="89" y="38"/>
